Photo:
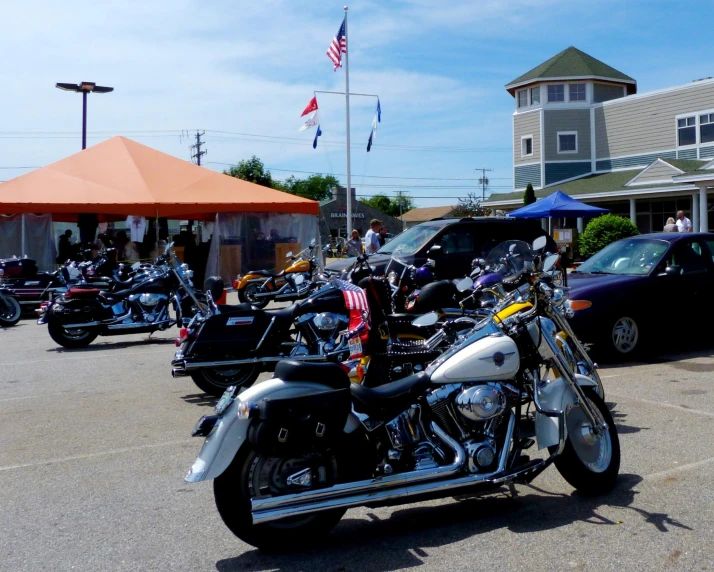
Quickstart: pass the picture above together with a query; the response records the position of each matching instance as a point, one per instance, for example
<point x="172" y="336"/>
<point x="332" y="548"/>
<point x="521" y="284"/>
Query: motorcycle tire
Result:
<point x="231" y="491"/>
<point x="247" y="296"/>
<point x="591" y="467"/>
<point x="70" y="339"/>
<point x="10" y="311"/>
<point x="215" y="381"/>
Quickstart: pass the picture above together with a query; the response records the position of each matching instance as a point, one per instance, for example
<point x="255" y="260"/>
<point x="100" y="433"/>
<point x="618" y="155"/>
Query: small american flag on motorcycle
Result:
<point x="356" y="302"/>
<point x="355" y="298"/>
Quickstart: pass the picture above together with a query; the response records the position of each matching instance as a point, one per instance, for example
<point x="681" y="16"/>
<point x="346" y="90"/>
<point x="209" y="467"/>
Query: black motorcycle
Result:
<point x="10" y="310"/>
<point x="138" y="305"/>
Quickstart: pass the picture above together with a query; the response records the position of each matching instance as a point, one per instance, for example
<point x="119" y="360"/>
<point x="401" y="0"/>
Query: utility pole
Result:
<point x="197" y="146"/>
<point x="399" y="198"/>
<point x="483" y="181"/>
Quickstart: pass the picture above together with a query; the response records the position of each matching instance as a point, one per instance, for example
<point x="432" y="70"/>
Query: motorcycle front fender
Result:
<point x="556" y="396"/>
<point x="230" y="433"/>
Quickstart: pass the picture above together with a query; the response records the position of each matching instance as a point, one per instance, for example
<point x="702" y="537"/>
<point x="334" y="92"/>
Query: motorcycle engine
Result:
<point x="321" y="330"/>
<point x="475" y="415"/>
<point x="149" y="307"/>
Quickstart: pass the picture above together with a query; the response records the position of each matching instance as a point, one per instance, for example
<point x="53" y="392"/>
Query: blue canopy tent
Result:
<point x="558" y="205"/>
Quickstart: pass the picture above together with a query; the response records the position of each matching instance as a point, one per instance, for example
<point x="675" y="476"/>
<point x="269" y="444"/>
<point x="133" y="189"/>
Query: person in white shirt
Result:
<point x="683" y="223"/>
<point x="371" y="238"/>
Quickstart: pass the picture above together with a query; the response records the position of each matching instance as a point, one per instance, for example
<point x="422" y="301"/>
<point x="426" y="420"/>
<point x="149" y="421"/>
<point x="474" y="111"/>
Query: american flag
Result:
<point x="355" y="298"/>
<point x="338" y="47"/>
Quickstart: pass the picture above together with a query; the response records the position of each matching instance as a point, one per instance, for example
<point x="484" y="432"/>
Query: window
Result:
<point x="567" y="142"/>
<point x="688" y="257"/>
<point x="577" y="92"/>
<point x="686" y="131"/>
<point x="526" y="146"/>
<point x="556" y="93"/>
<point x="457" y="240"/>
<point x="523" y="98"/>
<point x="706" y="128"/>
<point x="535" y="95"/>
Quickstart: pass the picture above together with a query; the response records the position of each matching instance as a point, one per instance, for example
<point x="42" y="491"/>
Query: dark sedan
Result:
<point x="642" y="287"/>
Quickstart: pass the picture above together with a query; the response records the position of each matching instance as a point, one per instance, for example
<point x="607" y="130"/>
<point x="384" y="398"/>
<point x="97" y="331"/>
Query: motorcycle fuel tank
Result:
<point x="329" y="298"/>
<point x="493" y="358"/>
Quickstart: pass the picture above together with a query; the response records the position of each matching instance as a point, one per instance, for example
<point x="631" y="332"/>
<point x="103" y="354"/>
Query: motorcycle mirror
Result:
<point x="550" y="262"/>
<point x="464" y="284"/>
<point x="312" y="242"/>
<point x="299" y="279"/>
<point x="289" y="254"/>
<point x="426" y="320"/>
<point x="540" y="243"/>
<point x="136" y="266"/>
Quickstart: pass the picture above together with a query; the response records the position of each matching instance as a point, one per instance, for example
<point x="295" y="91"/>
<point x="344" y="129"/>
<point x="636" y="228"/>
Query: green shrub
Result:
<point x="529" y="196"/>
<point x="604" y="230"/>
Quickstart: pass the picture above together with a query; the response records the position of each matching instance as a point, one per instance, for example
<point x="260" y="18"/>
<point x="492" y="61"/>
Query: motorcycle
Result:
<point x="289" y="456"/>
<point x="10" y="309"/>
<point x="259" y="287"/>
<point x="230" y="345"/>
<point x="76" y="317"/>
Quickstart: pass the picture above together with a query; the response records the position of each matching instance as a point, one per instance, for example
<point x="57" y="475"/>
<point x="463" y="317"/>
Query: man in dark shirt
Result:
<point x="64" y="248"/>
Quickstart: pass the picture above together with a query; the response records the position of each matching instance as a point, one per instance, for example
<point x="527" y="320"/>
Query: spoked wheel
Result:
<point x="10" y="311"/>
<point x="215" y="381"/>
<point x="590" y="462"/>
<point x="253" y="476"/>
<point x="625" y="336"/>
<point x="73" y="338"/>
<point x="247" y="296"/>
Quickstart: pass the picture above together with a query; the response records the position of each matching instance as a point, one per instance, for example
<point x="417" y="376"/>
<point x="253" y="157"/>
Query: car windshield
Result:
<point x="628" y="256"/>
<point x="511" y="256"/>
<point x="409" y="241"/>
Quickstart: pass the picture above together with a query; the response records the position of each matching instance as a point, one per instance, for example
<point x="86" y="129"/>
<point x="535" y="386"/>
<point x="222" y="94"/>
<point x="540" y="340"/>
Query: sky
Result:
<point x="244" y="71"/>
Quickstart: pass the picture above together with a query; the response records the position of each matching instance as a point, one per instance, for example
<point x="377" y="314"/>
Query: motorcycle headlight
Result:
<point x="392" y="277"/>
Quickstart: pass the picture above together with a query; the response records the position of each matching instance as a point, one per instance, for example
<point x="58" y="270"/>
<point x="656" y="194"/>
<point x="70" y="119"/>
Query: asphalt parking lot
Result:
<point x="94" y="445"/>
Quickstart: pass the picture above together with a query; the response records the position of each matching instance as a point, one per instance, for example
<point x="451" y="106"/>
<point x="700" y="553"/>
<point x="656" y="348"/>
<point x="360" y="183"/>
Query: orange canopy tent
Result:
<point x="121" y="177"/>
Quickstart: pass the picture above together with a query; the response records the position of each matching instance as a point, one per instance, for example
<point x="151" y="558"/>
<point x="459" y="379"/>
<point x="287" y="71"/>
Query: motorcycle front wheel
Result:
<point x="250" y="476"/>
<point x="590" y="463"/>
<point x="71" y="339"/>
<point x="215" y="381"/>
<point x="10" y="311"/>
<point x="247" y="296"/>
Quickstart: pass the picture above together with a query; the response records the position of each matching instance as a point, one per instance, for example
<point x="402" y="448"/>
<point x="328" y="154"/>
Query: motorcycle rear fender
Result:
<point x="556" y="396"/>
<point x="230" y="433"/>
<point x="245" y="280"/>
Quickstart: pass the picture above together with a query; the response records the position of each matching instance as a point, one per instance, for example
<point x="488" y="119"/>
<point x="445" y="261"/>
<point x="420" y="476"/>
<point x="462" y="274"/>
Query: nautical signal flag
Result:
<point x="338" y="47"/>
<point x="311" y="106"/>
<point x="373" y="132"/>
<point x="319" y="132"/>
<point x="312" y="120"/>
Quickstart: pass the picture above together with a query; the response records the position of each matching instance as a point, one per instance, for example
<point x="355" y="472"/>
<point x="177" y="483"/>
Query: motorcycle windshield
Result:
<point x="510" y="257"/>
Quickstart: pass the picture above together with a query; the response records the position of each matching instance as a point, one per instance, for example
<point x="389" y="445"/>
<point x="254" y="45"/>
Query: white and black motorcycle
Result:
<point x="289" y="456"/>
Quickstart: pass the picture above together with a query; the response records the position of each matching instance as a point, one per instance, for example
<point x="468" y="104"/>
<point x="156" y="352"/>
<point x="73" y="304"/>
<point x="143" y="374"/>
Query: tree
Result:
<point x="529" y="196"/>
<point x="316" y="187"/>
<point x="470" y="206"/>
<point x="604" y="230"/>
<point x="253" y="171"/>
<point x="390" y="206"/>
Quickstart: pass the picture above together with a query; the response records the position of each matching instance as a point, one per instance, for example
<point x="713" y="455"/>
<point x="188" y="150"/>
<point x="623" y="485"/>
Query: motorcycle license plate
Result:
<point x="225" y="400"/>
<point x="355" y="346"/>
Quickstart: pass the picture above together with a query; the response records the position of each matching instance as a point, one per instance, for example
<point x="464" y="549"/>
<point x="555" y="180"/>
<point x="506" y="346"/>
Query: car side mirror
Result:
<point x="434" y="252"/>
<point x="672" y="271"/>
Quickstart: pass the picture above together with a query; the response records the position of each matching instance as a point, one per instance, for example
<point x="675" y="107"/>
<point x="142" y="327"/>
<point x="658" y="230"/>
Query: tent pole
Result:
<point x="156" y="231"/>
<point x="22" y="235"/>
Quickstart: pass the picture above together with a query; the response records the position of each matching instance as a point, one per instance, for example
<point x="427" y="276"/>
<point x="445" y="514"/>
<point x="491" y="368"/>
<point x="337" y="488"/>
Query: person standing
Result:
<point x="354" y="244"/>
<point x="382" y="236"/>
<point x="371" y="238"/>
<point x="671" y="226"/>
<point x="64" y="248"/>
<point x="683" y="223"/>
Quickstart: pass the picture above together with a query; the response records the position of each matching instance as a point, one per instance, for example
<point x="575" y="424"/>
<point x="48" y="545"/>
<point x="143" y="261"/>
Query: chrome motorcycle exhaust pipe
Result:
<point x="250" y="361"/>
<point x="384" y="490"/>
<point x="177" y="372"/>
<point x="79" y="326"/>
<point x="264" y="294"/>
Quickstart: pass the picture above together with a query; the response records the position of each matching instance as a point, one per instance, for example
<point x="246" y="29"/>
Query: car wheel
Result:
<point x="625" y="336"/>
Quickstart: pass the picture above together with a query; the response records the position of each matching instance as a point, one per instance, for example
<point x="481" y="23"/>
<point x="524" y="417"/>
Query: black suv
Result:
<point x="461" y="240"/>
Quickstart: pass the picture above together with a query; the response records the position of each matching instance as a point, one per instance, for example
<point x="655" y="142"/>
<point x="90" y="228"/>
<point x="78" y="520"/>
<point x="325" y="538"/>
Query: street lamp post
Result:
<point x="84" y="88"/>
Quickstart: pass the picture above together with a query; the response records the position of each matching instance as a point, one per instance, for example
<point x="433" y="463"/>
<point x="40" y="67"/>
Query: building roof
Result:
<point x="571" y="63"/>
<point x="615" y="181"/>
<point x="426" y="213"/>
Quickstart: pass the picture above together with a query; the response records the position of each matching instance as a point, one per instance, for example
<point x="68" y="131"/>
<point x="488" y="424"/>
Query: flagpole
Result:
<point x="348" y="194"/>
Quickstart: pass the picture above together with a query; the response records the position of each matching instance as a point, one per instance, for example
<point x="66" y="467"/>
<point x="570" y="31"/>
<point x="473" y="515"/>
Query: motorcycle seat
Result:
<point x="391" y="396"/>
<point x="125" y="283"/>
<point x="282" y="314"/>
<point x="111" y="296"/>
<point x="268" y="273"/>
<point x="77" y="292"/>
<point x="232" y="308"/>
<point x="327" y="373"/>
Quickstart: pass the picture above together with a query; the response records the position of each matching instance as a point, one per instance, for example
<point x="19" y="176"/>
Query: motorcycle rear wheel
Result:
<point x="70" y="339"/>
<point x="215" y="381"/>
<point x="251" y="473"/>
<point x="247" y="296"/>
<point x="588" y="463"/>
<point x="10" y="311"/>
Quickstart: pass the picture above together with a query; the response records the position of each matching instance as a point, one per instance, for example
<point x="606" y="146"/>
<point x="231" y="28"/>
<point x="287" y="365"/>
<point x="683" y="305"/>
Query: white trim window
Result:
<point x="535" y="95"/>
<point x="706" y="128"/>
<point x="523" y="98"/>
<point x="556" y="93"/>
<point x="526" y="145"/>
<point x="567" y="142"/>
<point x="686" y="131"/>
<point x="577" y="92"/>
